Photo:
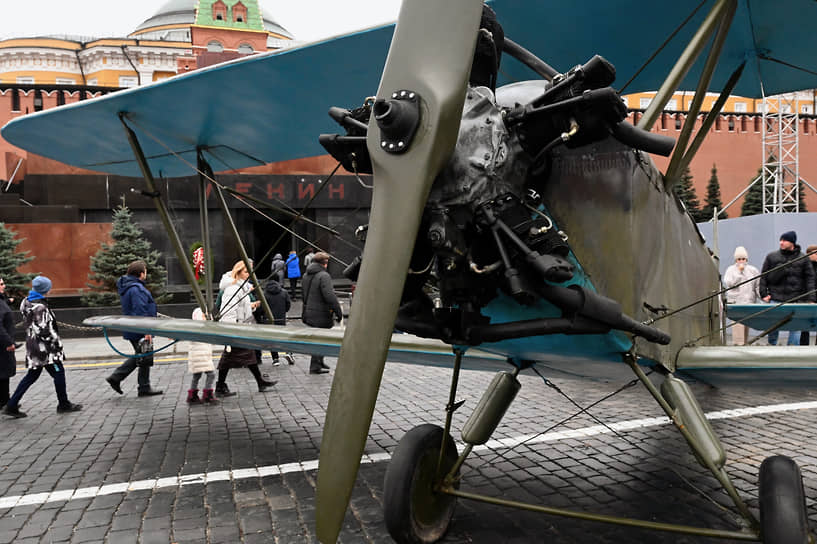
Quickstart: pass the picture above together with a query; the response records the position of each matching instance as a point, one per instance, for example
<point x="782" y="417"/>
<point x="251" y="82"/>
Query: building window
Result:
<point x="60" y="98"/>
<point x="239" y="13"/>
<point x="215" y="47"/>
<point x="15" y="100"/>
<point x="219" y="11"/>
<point x="128" y="81"/>
<point x="624" y="99"/>
<point x="805" y="109"/>
<point x="65" y="81"/>
<point x="740" y="107"/>
<point x="672" y="105"/>
<point x="25" y="80"/>
<point x="245" y="49"/>
<point x="93" y="82"/>
<point x="38" y="100"/>
<point x="644" y="103"/>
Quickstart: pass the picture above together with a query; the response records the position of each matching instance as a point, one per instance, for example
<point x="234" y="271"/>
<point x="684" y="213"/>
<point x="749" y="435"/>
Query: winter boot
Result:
<point x="222" y="390"/>
<point x="193" y="396"/>
<point x="208" y="397"/>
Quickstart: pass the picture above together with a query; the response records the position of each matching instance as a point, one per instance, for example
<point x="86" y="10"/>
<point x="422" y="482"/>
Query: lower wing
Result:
<point x="404" y="348"/>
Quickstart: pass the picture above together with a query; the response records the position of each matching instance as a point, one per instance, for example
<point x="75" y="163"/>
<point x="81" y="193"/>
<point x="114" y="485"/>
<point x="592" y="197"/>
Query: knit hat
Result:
<point x="41" y="285"/>
<point x="741" y="253"/>
<point x="789" y="236"/>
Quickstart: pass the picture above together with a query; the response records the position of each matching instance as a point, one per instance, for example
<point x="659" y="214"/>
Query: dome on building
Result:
<point x="183" y="12"/>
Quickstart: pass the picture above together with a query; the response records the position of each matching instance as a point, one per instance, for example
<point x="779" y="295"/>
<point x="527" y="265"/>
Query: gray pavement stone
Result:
<point x="120" y="439"/>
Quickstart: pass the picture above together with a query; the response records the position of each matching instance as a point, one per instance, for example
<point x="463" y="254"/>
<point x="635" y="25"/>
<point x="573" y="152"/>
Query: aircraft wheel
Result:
<point x="783" y="517"/>
<point x="414" y="512"/>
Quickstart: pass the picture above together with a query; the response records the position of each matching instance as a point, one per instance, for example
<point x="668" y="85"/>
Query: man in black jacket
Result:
<point x="790" y="281"/>
<point x="321" y="306"/>
<point x="8" y="364"/>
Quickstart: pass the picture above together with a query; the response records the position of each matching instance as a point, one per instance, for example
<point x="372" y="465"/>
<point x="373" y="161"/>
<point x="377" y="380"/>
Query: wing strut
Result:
<point x="673" y="170"/>
<point x="181" y="254"/>
<point x="207" y="172"/>
<point x="672" y="176"/>
<point x="685" y="62"/>
<point x="204" y="219"/>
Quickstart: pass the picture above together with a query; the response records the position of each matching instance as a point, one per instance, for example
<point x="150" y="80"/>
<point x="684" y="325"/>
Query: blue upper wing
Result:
<point x="262" y="109"/>
<point x="272" y="107"/>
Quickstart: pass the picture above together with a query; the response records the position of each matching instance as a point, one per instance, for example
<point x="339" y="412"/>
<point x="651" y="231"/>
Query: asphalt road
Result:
<point x="156" y="470"/>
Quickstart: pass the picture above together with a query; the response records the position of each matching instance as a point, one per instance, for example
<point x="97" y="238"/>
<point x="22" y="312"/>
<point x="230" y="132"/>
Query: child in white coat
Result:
<point x="200" y="361"/>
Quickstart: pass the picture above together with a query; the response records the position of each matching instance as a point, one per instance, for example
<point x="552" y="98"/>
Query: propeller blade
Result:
<point x="430" y="55"/>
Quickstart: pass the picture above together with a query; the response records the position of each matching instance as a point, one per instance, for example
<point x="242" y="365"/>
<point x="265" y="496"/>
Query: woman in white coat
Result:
<point x="236" y="307"/>
<point x="748" y="293"/>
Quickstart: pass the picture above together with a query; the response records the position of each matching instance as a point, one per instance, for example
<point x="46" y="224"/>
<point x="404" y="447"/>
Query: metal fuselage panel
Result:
<point x="635" y="241"/>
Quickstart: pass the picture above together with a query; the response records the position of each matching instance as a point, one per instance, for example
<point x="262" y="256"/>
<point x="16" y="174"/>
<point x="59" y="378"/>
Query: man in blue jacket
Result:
<point x="136" y="300"/>
<point x="293" y="273"/>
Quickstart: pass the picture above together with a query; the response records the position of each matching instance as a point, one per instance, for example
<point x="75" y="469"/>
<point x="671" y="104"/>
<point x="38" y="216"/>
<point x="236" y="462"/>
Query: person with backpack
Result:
<point x="43" y="350"/>
<point x="279" y="303"/>
<point x="293" y="273"/>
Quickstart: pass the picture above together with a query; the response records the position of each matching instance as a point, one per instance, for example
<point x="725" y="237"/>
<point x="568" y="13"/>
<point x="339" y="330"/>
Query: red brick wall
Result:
<point x="738" y="154"/>
<point x="62" y="251"/>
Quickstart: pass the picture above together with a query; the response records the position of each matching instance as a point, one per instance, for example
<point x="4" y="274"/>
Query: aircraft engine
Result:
<point x="484" y="229"/>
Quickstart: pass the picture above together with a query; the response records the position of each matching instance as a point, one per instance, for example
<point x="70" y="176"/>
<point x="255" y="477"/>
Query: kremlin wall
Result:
<point x="45" y="201"/>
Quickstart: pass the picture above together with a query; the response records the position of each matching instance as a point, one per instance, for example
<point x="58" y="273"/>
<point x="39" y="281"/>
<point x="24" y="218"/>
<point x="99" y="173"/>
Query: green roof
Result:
<point x="254" y="21"/>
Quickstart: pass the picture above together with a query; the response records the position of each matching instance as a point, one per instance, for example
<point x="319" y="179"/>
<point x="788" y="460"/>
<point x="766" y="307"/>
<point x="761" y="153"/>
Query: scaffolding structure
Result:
<point x="781" y="164"/>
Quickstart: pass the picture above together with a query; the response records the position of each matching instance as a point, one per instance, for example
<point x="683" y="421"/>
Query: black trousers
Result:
<point x="4" y="391"/>
<point x="143" y="363"/>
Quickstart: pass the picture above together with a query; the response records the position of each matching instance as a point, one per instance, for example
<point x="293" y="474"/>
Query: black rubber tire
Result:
<point x="414" y="513"/>
<point x="783" y="517"/>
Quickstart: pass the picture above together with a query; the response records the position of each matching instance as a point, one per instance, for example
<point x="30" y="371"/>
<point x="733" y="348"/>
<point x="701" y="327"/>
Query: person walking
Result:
<point x="8" y="363"/>
<point x="308" y="257"/>
<point x="43" y="350"/>
<point x="320" y="305"/>
<point x="747" y="293"/>
<point x="237" y="308"/>
<point x="136" y="300"/>
<point x="293" y="273"/>
<point x="279" y="303"/>
<point x="811" y="251"/>
<point x="278" y="268"/>
<point x="793" y="282"/>
<point x="200" y="361"/>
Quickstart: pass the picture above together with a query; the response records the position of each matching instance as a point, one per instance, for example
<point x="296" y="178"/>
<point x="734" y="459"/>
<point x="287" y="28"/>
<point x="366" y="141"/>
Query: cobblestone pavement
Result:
<point x="155" y="470"/>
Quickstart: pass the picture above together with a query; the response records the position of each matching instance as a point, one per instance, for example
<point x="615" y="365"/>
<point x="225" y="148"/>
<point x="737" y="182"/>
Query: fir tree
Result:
<point x="686" y="192"/>
<point x="753" y="199"/>
<point x="713" y="198"/>
<point x="17" y="284"/>
<point x="112" y="260"/>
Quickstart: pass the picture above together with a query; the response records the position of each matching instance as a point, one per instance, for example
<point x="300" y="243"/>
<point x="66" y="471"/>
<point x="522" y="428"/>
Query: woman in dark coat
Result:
<point x="279" y="304"/>
<point x="8" y="364"/>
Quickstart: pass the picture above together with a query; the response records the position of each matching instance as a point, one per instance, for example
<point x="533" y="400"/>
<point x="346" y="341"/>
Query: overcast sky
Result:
<point x="305" y="19"/>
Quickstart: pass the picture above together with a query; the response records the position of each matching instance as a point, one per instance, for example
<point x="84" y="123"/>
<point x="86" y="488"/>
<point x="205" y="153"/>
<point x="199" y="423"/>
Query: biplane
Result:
<point x="517" y="217"/>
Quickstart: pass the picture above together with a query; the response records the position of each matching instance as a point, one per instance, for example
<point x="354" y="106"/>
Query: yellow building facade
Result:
<point x="155" y="50"/>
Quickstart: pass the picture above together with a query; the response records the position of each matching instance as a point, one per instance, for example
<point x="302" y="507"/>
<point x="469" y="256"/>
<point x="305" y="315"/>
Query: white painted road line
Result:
<point x="306" y="466"/>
